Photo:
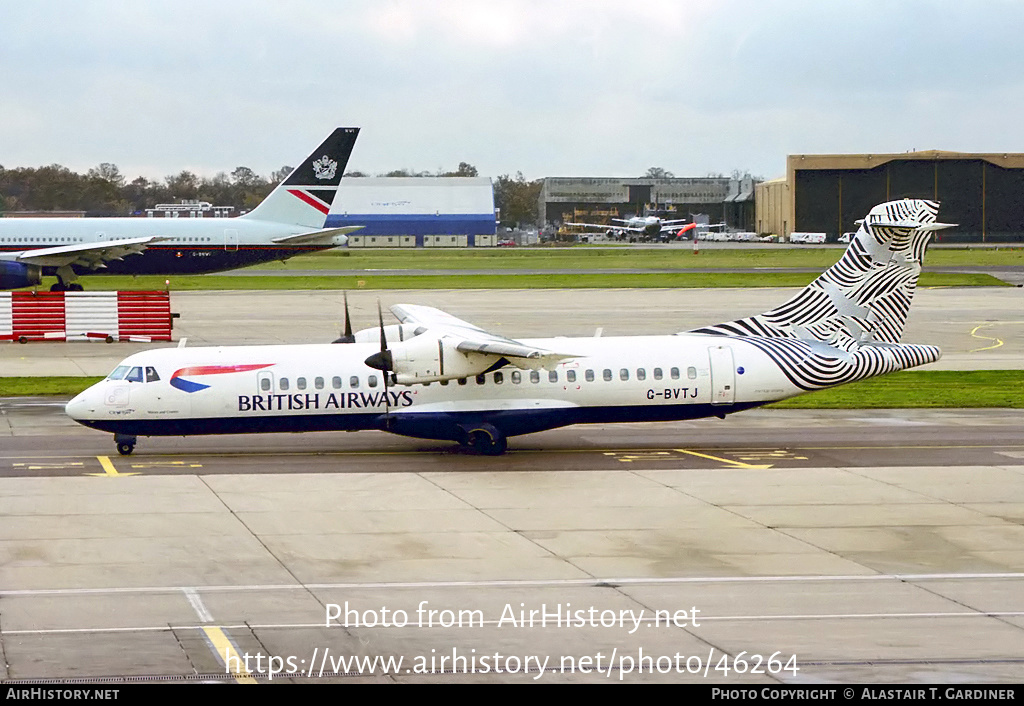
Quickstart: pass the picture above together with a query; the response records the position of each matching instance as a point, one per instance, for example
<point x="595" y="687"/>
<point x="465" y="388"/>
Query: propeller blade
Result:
<point x="347" y="336"/>
<point x="381" y="361"/>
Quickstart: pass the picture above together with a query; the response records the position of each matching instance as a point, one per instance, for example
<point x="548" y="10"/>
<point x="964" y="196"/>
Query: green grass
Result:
<point x="591" y="280"/>
<point x="921" y="388"/>
<point x="34" y="386"/>
<point x="615" y="258"/>
<point x="907" y="389"/>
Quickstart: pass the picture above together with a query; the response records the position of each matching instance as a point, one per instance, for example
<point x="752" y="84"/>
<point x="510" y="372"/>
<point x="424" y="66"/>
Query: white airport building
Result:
<point x="416" y="211"/>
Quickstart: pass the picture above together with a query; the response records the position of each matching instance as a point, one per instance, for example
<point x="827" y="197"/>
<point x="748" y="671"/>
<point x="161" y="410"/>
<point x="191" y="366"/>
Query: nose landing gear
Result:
<point x="125" y="444"/>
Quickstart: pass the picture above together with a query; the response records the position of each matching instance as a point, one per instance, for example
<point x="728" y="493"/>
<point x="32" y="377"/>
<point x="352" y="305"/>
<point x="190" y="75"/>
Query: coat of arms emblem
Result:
<point x="325" y="168"/>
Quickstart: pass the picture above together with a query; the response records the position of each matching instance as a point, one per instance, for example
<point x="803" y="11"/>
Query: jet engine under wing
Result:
<point x="481" y="349"/>
<point x="91" y="255"/>
<point x="316" y="236"/>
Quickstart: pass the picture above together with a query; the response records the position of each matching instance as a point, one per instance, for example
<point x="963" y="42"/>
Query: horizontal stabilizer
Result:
<point x="316" y="237"/>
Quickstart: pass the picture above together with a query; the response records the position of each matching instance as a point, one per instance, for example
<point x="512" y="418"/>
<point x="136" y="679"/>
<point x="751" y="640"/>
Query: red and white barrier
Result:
<point x="78" y="316"/>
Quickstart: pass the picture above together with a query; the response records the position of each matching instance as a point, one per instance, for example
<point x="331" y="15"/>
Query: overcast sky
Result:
<point x="546" y="87"/>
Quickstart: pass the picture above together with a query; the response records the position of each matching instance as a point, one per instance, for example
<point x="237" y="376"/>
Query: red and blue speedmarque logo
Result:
<point x="177" y="381"/>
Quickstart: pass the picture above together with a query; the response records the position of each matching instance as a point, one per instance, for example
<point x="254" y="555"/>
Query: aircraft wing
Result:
<point x="316" y="236"/>
<point x="92" y="255"/>
<point x="473" y="339"/>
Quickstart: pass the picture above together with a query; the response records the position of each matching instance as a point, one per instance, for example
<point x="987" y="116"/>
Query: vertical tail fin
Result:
<point x="305" y="197"/>
<point x="866" y="296"/>
<point x="846" y="325"/>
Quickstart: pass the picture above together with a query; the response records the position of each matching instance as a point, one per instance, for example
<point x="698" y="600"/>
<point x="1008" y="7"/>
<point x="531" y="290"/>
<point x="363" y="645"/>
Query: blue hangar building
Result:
<point x="416" y="211"/>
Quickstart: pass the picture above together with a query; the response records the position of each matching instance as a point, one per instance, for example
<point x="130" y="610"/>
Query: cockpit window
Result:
<point x="151" y="375"/>
<point x="119" y="373"/>
<point x="135" y="374"/>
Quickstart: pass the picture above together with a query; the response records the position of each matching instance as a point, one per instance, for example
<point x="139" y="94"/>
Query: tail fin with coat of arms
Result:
<point x="305" y="197"/>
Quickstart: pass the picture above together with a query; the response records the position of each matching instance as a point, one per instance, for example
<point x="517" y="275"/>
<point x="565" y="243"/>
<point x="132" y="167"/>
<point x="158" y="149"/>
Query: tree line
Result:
<point x="105" y="191"/>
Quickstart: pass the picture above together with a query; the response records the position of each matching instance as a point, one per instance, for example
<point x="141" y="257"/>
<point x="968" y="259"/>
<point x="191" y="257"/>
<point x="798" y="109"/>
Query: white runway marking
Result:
<point x="623" y="581"/>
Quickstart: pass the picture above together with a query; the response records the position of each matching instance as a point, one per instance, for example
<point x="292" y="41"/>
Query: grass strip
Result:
<point x="684" y="280"/>
<point x="921" y="389"/>
<point x="615" y="258"/>
<point x="905" y="389"/>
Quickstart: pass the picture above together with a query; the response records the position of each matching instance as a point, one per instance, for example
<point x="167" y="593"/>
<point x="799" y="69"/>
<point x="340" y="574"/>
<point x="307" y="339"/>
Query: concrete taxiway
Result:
<point x="977" y="328"/>
<point x="774" y="546"/>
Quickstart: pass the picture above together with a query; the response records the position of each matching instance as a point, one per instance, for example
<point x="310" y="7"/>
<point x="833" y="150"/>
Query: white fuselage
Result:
<point x="187" y="245"/>
<point x="320" y="387"/>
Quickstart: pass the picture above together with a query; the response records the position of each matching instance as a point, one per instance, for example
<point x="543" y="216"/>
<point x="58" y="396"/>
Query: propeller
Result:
<point x="384" y="362"/>
<point x="346" y="337"/>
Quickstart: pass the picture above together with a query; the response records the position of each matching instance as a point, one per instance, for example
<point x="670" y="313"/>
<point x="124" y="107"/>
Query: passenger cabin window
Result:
<point x="283" y="383"/>
<point x="641" y="374"/>
<point x="353" y="382"/>
<point x="657" y="373"/>
<point x="517" y="377"/>
<point x="691" y="373"/>
<point x="318" y="383"/>
<point x="372" y="381"/>
<point x="674" y="373"/>
<point x="570" y="375"/>
<point x="534" y="376"/>
<point x="265" y="384"/>
<point x="300" y="383"/>
<point x="498" y="378"/>
<point x="607" y="375"/>
<point x="336" y="382"/>
<point x="589" y="375"/>
<point x="480" y="379"/>
<point x="463" y="381"/>
<point x="553" y="376"/>
<point x="624" y="374"/>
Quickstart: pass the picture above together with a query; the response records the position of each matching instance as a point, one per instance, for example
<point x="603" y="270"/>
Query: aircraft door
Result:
<point x="231" y="239"/>
<point x="723" y="375"/>
<point x="264" y="383"/>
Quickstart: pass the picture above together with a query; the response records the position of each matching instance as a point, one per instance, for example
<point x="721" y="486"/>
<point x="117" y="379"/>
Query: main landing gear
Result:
<point x="66" y="281"/>
<point x="125" y="444"/>
<point x="486" y="440"/>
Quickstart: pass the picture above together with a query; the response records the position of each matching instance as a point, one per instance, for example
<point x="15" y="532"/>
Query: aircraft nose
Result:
<point x="81" y="405"/>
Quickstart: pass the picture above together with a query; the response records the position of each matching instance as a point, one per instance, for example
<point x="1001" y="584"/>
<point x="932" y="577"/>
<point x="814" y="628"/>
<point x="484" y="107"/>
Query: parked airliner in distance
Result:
<point x="434" y="376"/>
<point x="647" y="227"/>
<point x="290" y="221"/>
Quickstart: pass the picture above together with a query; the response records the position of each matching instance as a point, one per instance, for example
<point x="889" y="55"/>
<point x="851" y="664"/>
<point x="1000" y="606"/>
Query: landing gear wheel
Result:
<point x="125" y="444"/>
<point x="488" y="443"/>
<point x="75" y="287"/>
<point x="58" y="287"/>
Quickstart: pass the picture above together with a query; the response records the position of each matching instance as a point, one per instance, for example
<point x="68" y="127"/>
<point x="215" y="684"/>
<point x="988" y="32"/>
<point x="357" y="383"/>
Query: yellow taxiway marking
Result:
<point x="108" y="469"/>
<point x="47" y="466"/>
<point x="738" y="464"/>
<point x="227" y="654"/>
<point x="630" y="456"/>
<point x="167" y="464"/>
<point x="974" y="334"/>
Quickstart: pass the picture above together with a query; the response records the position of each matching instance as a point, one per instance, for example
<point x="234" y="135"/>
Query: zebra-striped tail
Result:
<point x="851" y="318"/>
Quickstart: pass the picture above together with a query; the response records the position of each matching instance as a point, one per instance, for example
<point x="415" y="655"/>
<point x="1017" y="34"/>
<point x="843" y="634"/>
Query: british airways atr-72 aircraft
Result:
<point x="290" y="221"/>
<point x="437" y="377"/>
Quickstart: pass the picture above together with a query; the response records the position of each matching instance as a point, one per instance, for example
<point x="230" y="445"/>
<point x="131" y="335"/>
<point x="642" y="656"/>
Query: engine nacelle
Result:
<point x="429" y="359"/>
<point x="393" y="333"/>
<point x="15" y="275"/>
